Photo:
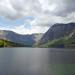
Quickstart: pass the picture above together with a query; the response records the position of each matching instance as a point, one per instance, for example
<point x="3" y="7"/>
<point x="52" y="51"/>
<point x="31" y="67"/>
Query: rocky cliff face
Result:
<point x="57" y="31"/>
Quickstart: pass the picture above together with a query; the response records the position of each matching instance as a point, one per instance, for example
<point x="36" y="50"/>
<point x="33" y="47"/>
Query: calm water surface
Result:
<point x="33" y="61"/>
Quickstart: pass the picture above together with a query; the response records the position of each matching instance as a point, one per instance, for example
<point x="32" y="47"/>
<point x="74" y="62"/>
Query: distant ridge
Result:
<point x="28" y="40"/>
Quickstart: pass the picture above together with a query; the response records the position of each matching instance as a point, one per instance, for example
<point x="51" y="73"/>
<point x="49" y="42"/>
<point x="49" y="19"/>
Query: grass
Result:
<point x="68" y="41"/>
<point x="60" y="43"/>
<point x="6" y="43"/>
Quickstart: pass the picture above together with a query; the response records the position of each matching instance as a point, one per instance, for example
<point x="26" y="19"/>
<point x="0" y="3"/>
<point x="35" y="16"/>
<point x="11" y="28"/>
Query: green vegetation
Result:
<point x="53" y="43"/>
<point x="6" y="43"/>
<point x="66" y="42"/>
<point x="62" y="69"/>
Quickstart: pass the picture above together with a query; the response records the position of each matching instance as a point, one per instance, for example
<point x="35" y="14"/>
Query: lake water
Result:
<point x="36" y="61"/>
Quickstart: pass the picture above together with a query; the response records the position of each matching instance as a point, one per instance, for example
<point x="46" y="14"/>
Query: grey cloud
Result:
<point x="26" y="7"/>
<point x="65" y="7"/>
<point x="46" y="12"/>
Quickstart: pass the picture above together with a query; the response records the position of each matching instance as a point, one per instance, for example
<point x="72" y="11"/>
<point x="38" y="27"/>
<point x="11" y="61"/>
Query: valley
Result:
<point x="58" y="36"/>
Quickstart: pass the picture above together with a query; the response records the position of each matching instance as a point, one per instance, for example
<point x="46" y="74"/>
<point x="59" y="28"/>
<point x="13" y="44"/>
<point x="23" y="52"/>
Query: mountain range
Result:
<point x="25" y="40"/>
<point x="59" y="35"/>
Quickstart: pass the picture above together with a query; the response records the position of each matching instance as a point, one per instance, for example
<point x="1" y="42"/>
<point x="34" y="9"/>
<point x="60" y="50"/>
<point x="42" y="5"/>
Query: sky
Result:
<point x="35" y="16"/>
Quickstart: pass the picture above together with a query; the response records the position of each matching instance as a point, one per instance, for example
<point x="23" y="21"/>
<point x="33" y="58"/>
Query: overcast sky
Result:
<point x="35" y="16"/>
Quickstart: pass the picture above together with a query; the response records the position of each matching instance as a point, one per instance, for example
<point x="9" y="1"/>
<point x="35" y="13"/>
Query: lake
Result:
<point x="37" y="61"/>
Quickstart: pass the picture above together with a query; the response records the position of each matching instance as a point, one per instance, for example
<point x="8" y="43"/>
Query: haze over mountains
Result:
<point x="27" y="40"/>
<point x="57" y="33"/>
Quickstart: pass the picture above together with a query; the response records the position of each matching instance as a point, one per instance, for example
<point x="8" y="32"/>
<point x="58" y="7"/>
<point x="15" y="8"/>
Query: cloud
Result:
<point x="21" y="29"/>
<point x="19" y="8"/>
<point x="34" y="29"/>
<point x="6" y="9"/>
<point x="44" y="12"/>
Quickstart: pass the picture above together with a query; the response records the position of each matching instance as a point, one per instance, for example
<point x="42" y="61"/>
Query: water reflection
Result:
<point x="31" y="61"/>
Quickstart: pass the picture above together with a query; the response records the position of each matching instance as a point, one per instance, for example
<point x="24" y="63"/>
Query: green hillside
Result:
<point x="65" y="42"/>
<point x="6" y="43"/>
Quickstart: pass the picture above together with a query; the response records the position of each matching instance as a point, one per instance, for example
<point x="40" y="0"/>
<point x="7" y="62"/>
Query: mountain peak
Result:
<point x="57" y="31"/>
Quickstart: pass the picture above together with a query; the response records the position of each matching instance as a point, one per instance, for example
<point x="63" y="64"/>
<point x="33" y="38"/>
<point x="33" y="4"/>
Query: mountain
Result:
<point x="6" y="43"/>
<point x="27" y="40"/>
<point x="58" y="36"/>
<point x="57" y="31"/>
<point x="65" y="42"/>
